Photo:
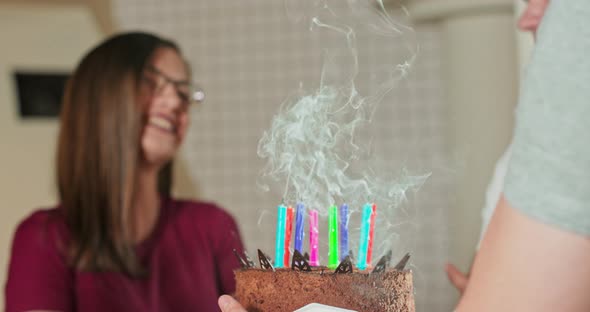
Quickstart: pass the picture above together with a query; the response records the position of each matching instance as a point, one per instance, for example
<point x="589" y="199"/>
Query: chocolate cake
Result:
<point x="286" y="290"/>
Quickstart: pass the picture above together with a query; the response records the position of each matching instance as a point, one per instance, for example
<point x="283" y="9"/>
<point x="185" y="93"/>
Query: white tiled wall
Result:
<point x="248" y="57"/>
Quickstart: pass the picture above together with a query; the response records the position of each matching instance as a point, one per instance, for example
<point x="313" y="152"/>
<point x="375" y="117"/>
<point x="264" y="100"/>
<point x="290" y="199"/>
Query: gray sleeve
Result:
<point x="549" y="172"/>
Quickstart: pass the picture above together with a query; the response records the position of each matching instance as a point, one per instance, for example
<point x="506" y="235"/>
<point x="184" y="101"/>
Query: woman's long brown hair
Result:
<point x="99" y="152"/>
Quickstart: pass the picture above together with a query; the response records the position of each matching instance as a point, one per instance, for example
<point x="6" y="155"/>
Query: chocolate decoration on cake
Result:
<point x="345" y="266"/>
<point x="243" y="262"/>
<point x="264" y="260"/>
<point x="306" y="256"/>
<point x="299" y="262"/>
<point x="402" y="263"/>
<point x="383" y="263"/>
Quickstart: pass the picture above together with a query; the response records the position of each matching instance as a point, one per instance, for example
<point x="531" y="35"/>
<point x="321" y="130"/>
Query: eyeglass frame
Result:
<point x="194" y="94"/>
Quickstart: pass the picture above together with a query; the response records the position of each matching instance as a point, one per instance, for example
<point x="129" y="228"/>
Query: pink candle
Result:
<point x="371" y="233"/>
<point x="288" y="228"/>
<point x="313" y="238"/>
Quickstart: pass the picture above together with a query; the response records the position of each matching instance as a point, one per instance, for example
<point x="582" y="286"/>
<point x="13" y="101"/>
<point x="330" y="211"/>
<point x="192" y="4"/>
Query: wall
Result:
<point x="481" y="88"/>
<point x="40" y="38"/>
<point x="249" y="58"/>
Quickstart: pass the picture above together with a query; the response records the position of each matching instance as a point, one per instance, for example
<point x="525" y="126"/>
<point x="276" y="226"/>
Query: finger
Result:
<point x="228" y="304"/>
<point x="457" y="278"/>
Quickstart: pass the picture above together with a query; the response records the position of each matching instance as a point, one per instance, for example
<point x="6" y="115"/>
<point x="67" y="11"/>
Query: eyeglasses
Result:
<point x="187" y="92"/>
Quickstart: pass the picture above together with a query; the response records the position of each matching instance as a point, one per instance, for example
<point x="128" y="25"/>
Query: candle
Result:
<point x="280" y="236"/>
<point x="333" y="237"/>
<point x="371" y="233"/>
<point x="288" y="227"/>
<point x="343" y="231"/>
<point x="363" y="243"/>
<point x="313" y="238"/>
<point x="299" y="223"/>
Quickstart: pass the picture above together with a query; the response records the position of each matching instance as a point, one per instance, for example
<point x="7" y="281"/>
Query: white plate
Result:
<point x="316" y="307"/>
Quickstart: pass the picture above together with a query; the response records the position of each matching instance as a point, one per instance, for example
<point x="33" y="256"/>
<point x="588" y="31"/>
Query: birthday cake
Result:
<point x="287" y="289"/>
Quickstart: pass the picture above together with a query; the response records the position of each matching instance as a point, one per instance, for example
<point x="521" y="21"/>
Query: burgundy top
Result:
<point x="189" y="257"/>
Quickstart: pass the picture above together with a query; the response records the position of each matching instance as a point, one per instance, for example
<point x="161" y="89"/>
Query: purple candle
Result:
<point x="299" y="222"/>
<point x="343" y="222"/>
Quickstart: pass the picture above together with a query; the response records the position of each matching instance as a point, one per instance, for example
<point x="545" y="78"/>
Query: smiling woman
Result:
<point x="118" y="241"/>
<point x="166" y="103"/>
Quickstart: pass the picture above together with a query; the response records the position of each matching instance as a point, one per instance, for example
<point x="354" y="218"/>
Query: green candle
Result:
<point x="333" y="237"/>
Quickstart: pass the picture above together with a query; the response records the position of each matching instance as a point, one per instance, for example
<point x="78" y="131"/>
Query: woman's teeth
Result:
<point x="161" y="123"/>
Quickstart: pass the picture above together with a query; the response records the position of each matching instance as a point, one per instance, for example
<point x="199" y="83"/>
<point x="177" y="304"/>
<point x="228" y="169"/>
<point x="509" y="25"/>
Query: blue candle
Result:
<point x="343" y="222"/>
<point x="364" y="241"/>
<point x="299" y="223"/>
<point x="280" y="237"/>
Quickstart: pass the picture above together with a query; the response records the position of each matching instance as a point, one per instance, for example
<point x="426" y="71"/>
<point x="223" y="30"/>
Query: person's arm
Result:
<point x="526" y="265"/>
